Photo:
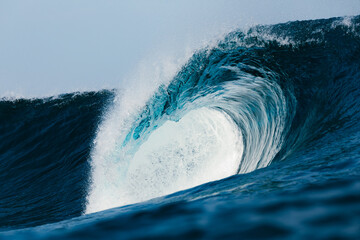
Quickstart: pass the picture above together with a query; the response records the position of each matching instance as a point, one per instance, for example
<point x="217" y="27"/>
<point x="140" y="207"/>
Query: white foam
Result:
<point x="205" y="145"/>
<point x="117" y="121"/>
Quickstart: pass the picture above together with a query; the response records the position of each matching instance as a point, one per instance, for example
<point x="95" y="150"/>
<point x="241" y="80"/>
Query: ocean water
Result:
<point x="256" y="136"/>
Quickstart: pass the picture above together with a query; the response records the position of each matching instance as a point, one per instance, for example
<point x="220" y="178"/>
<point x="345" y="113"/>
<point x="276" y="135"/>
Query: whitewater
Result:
<point x="255" y="136"/>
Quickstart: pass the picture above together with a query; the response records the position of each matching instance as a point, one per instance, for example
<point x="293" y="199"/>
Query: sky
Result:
<point x="59" y="46"/>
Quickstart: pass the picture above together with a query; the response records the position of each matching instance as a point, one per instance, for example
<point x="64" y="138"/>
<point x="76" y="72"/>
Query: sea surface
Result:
<point x="255" y="137"/>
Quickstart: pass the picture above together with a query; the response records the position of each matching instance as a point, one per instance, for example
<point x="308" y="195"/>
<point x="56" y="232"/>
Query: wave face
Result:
<point x="257" y="136"/>
<point x="45" y="145"/>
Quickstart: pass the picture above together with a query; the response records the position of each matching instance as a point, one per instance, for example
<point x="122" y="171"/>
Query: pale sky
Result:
<point x="58" y="46"/>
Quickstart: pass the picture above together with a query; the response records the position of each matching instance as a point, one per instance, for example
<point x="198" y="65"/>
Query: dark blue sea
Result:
<point x="255" y="137"/>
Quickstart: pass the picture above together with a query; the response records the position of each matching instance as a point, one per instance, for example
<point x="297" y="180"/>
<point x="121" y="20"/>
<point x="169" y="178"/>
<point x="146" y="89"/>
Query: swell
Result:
<point x="45" y="144"/>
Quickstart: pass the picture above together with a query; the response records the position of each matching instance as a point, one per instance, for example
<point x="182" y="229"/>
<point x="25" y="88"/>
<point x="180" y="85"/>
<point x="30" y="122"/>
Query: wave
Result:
<point x="286" y="94"/>
<point x="261" y="83"/>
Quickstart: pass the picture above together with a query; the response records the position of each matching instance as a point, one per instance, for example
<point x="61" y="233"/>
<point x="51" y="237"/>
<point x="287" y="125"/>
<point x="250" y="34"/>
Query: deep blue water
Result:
<point x="288" y="94"/>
